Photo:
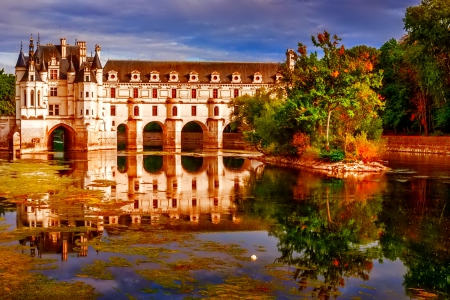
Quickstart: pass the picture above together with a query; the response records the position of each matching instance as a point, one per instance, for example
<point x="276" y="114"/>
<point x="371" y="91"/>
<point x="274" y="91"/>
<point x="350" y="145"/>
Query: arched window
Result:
<point x="216" y="111"/>
<point x="32" y="98"/>
<point x="174" y="111"/>
<point x="25" y="98"/>
<point x="39" y="98"/>
<point x="136" y="111"/>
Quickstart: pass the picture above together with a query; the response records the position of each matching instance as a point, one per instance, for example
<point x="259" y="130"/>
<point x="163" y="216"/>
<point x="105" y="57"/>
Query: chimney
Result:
<point x="63" y="48"/>
<point x="81" y="52"/>
<point x="290" y="59"/>
<point x="98" y="49"/>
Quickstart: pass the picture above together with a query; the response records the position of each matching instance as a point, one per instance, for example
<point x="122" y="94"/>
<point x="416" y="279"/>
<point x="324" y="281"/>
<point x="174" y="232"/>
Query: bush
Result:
<point x="360" y="148"/>
<point x="301" y="142"/>
<point x="332" y="155"/>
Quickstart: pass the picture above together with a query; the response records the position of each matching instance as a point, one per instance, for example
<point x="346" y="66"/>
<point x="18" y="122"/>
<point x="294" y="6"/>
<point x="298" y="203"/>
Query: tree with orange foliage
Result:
<point x="319" y="87"/>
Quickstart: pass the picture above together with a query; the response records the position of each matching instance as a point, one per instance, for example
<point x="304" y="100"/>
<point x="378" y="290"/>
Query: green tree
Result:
<point x="428" y="38"/>
<point x="318" y="87"/>
<point x="7" y="94"/>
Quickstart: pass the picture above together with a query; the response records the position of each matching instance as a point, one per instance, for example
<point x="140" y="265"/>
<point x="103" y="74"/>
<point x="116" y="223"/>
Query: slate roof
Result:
<point x="21" y="62"/>
<point x="204" y="69"/>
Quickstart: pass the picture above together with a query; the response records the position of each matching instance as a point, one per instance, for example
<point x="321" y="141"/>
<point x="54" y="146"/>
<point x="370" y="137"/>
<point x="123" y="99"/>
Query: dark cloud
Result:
<point x="256" y="30"/>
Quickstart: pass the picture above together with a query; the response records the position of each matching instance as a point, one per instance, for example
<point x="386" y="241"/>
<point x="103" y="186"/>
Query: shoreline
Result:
<point x="335" y="169"/>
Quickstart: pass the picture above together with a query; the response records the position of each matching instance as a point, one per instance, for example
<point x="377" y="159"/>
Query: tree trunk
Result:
<point x="328" y="129"/>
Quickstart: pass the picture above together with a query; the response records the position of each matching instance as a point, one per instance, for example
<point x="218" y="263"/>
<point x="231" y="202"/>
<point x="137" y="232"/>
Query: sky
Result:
<point x="210" y="30"/>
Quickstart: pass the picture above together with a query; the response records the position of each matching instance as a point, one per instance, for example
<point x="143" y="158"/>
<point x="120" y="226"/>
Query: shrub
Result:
<point x="301" y="142"/>
<point x="360" y="148"/>
<point x="332" y="155"/>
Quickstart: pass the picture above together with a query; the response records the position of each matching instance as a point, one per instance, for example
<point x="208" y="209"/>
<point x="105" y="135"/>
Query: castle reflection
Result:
<point x="200" y="190"/>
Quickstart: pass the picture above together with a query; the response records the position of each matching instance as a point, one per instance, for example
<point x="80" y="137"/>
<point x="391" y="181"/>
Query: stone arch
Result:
<point x="153" y="135"/>
<point x="122" y="136"/>
<point x="61" y="138"/>
<point x="192" y="135"/>
<point x="232" y="138"/>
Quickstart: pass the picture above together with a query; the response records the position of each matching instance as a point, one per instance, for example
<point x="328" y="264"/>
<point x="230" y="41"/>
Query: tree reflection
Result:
<point x="322" y="225"/>
<point x="416" y="221"/>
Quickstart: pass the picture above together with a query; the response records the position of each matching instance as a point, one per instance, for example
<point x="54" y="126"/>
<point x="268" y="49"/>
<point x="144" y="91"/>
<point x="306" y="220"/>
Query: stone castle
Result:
<point x="63" y="95"/>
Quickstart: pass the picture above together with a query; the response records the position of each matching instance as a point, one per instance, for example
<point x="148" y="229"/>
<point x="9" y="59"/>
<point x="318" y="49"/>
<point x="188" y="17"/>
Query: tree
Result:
<point x="7" y="94"/>
<point x="428" y="39"/>
<point x="318" y="87"/>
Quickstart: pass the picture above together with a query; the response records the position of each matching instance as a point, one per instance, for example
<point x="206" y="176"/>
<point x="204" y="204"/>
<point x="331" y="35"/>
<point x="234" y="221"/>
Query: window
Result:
<point x="154" y="110"/>
<point x="236" y="93"/>
<point x="92" y="94"/>
<point x="53" y="110"/>
<point x="174" y="111"/>
<point x="53" y="74"/>
<point x="39" y="98"/>
<point x="113" y="110"/>
<point x="135" y="93"/>
<point x="87" y="94"/>
<point x="32" y="98"/>
<point x="193" y="110"/>
<point x="81" y="94"/>
<point x="155" y="203"/>
<point x="113" y="92"/>
<point x="53" y="91"/>
<point x="32" y="77"/>
<point x="216" y="111"/>
<point x="215" y="93"/>
<point x="136" y="204"/>
<point x="87" y="78"/>
<point x="113" y="123"/>
<point x="24" y="98"/>
<point x="87" y="112"/>
<point x="136" y="111"/>
<point x="154" y="93"/>
<point x="194" y="202"/>
<point x="174" y="93"/>
<point x="194" y="93"/>
<point x="174" y="203"/>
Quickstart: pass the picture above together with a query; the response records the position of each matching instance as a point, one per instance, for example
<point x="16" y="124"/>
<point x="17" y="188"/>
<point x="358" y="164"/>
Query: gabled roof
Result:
<point x="37" y="77"/>
<point x="247" y="70"/>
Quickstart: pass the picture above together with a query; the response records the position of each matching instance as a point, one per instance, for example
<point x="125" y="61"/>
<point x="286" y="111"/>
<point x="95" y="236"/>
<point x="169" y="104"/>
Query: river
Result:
<point x="160" y="225"/>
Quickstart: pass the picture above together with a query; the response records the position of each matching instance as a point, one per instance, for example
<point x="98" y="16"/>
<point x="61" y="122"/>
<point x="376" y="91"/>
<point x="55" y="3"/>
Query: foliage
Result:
<point x="7" y="94"/>
<point x="332" y="155"/>
<point x="340" y="81"/>
<point x="319" y="102"/>
<point x="418" y="70"/>
<point x="363" y="149"/>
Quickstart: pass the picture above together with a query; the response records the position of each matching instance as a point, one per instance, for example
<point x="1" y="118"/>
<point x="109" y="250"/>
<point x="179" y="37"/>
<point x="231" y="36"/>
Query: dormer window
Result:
<point x="257" y="78"/>
<point x="31" y="77"/>
<point x="53" y="74"/>
<point x="236" y="77"/>
<point x="87" y="78"/>
<point x="154" y="76"/>
<point x="193" y="76"/>
<point x="135" y="76"/>
<point x="173" y="76"/>
<point x="278" y="77"/>
<point x="215" y="77"/>
<point x="112" y="75"/>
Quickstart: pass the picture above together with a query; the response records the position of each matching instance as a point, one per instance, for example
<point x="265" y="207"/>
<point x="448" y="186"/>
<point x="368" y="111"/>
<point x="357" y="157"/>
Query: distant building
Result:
<point x="64" y="96"/>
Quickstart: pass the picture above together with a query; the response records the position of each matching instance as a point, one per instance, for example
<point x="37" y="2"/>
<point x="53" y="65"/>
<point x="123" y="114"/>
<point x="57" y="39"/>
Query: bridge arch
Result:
<point x="61" y="138"/>
<point x="153" y="135"/>
<point x="193" y="135"/>
<point x="122" y="136"/>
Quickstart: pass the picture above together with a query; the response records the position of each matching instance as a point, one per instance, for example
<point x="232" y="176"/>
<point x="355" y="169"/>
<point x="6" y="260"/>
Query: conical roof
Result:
<point x="96" y="64"/>
<point x="21" y="60"/>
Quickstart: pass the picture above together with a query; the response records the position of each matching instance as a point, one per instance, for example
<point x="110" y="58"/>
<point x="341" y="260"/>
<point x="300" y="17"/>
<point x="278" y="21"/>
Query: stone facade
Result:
<point x="62" y="93"/>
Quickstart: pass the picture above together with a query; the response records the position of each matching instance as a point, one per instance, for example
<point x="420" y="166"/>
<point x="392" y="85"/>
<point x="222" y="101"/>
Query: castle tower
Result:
<point x="290" y="59"/>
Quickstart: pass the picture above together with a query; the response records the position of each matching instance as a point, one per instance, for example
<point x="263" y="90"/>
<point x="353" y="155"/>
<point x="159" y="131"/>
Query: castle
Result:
<point x="65" y="96"/>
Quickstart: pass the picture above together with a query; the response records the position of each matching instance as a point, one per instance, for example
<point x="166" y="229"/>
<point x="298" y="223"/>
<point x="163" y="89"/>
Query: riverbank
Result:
<point x="418" y="144"/>
<point x="330" y="168"/>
